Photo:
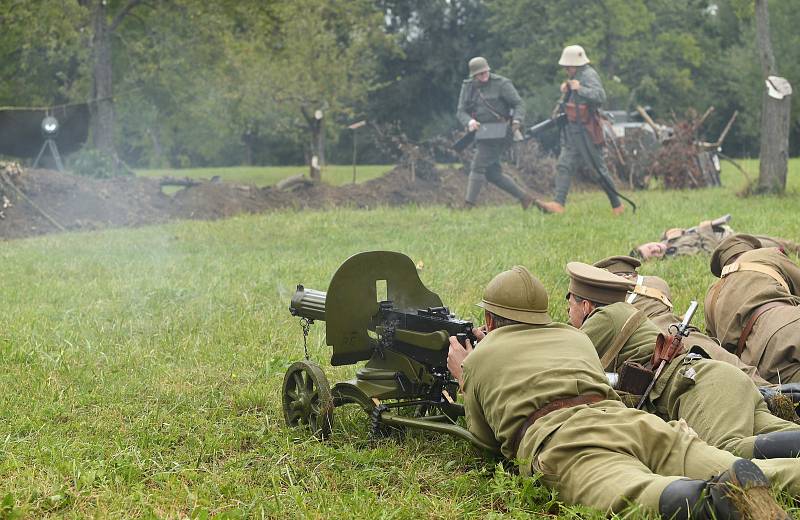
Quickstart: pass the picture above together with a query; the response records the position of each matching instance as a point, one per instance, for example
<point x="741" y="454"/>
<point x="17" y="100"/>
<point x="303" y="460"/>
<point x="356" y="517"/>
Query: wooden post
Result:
<point x="355" y="126"/>
<point x="317" y="145"/>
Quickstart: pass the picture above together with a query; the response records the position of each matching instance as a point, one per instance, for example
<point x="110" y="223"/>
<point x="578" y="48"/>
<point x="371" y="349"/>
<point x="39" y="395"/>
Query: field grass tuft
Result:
<point x="140" y="369"/>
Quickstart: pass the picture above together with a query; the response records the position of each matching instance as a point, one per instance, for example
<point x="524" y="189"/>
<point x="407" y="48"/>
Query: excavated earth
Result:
<point x="36" y="202"/>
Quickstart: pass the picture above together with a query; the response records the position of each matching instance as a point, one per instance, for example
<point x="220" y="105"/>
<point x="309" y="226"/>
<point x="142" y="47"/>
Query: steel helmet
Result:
<point x="478" y="65"/>
<point x="517" y="295"/>
<point x="573" y="56"/>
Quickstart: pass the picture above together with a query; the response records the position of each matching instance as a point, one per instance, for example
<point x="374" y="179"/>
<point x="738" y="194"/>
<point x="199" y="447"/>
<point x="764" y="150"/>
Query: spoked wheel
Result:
<point x="307" y="398"/>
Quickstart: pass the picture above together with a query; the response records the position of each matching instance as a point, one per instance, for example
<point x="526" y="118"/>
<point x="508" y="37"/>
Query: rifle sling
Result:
<point x="552" y="406"/>
<point x="761" y="309"/>
<point x="633" y="322"/>
<point x="490" y="107"/>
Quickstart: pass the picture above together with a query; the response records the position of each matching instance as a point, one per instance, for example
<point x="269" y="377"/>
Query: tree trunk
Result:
<point x="101" y="102"/>
<point x="774" y="153"/>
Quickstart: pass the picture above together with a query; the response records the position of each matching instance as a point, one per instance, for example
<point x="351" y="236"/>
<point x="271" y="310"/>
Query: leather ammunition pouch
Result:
<point x="588" y="117"/>
<point x="634" y="378"/>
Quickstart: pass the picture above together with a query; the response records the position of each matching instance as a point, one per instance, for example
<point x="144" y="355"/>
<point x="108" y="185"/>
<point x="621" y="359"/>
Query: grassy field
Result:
<point x="269" y="175"/>
<point x="140" y="369"/>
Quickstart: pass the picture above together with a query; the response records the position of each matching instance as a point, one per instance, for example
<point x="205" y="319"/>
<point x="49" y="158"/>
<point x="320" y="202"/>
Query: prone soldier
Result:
<point x="555" y="412"/>
<point x="652" y="296"/>
<point x="490" y="107"/>
<point x="754" y="309"/>
<point x="716" y="399"/>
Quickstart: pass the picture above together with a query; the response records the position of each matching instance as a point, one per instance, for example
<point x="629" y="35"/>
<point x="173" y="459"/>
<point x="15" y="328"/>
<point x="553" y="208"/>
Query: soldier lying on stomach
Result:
<point x="536" y="391"/>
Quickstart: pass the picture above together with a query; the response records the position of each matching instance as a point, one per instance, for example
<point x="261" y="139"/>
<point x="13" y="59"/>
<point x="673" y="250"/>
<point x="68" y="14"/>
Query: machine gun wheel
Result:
<point x="307" y="398"/>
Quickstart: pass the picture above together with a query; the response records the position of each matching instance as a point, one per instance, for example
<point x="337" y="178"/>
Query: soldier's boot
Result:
<point x="740" y="493"/>
<point x="619" y="210"/>
<point x="777" y="445"/>
<point x="549" y="207"/>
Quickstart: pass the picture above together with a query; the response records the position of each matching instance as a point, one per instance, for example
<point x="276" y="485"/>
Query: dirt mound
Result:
<point x="34" y="202"/>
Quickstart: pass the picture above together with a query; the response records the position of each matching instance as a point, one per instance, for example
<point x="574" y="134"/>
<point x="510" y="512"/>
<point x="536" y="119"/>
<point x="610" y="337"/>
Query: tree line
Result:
<point x="183" y="83"/>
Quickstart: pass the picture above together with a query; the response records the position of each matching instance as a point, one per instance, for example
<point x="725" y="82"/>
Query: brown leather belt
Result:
<point x="552" y="406"/>
<point x="761" y="309"/>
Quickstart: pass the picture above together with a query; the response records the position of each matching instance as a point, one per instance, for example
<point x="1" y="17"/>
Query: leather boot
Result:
<point x="777" y="445"/>
<point x="549" y="207"/>
<point x="742" y="493"/>
<point x="684" y="499"/>
<point x="619" y="210"/>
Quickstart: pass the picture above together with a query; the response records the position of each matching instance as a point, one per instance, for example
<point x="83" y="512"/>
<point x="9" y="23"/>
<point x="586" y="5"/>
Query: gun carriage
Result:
<point x="376" y="309"/>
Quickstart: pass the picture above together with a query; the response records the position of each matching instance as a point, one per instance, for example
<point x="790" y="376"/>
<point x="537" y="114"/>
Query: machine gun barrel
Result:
<point x="308" y="303"/>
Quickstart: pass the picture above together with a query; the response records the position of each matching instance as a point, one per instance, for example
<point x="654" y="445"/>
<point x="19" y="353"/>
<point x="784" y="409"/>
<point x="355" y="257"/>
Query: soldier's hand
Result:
<point x="574" y="84"/>
<point x="455" y="358"/>
<point x="515" y="131"/>
<point x="480" y="332"/>
<point x="473" y="125"/>
<point x="564" y="87"/>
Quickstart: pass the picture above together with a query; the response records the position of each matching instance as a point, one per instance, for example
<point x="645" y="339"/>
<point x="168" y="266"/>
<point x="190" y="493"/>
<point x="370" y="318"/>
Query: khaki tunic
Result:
<point x="773" y="346"/>
<point x="716" y="399"/>
<point x="519" y="368"/>
<point x="697" y="342"/>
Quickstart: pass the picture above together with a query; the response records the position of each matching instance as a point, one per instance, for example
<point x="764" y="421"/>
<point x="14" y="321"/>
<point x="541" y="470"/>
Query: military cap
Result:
<point x="597" y="285"/>
<point x="517" y="295"/>
<point x="729" y="248"/>
<point x="619" y="264"/>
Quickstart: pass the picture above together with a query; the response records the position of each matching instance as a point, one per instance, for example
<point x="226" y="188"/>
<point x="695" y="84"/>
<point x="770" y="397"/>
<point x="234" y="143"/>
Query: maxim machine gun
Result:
<point x="377" y="310"/>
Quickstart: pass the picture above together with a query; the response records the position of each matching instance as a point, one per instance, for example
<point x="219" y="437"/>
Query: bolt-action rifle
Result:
<point x="669" y="347"/>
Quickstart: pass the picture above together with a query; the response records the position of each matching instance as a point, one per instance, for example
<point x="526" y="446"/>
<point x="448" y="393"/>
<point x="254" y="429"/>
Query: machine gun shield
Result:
<point x="352" y="300"/>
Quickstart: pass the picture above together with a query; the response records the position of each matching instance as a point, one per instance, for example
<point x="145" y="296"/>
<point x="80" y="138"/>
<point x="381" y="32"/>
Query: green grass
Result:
<point x="269" y="175"/>
<point x="140" y="369"/>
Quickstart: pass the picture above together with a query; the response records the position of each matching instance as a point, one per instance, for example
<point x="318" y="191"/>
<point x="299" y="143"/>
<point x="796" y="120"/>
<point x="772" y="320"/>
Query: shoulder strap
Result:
<point x="758" y="268"/>
<point x="715" y="290"/>
<point x="652" y="292"/>
<point x="752" y="321"/>
<point x="631" y="324"/>
<point x="490" y="107"/>
<point x="632" y="295"/>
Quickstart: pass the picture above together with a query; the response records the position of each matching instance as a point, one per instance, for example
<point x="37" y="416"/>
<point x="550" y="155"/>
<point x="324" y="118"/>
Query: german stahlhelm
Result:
<point x="573" y="56"/>
<point x="478" y="65"/>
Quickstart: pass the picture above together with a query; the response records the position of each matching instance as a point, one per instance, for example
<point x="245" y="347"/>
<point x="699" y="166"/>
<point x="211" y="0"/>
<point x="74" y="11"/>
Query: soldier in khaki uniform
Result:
<point x="583" y="94"/>
<point x="652" y="296"/>
<point x="716" y="399"/>
<point x="554" y="410"/>
<point x="488" y="98"/>
<point x="754" y="309"/>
